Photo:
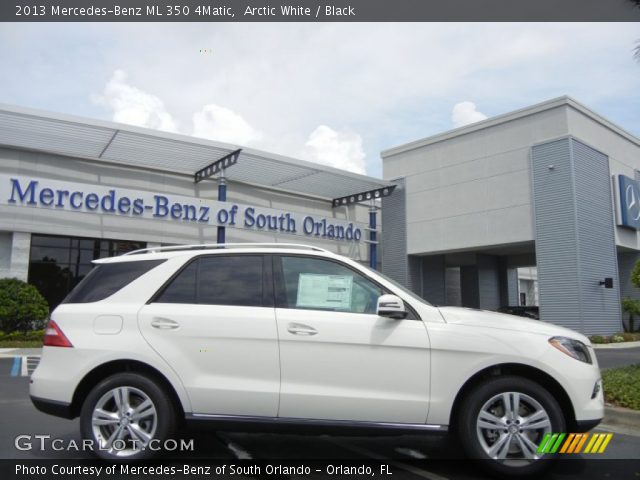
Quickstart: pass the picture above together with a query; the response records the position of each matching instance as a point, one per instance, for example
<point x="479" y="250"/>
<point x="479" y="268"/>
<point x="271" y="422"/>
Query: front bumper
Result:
<point x="586" y="425"/>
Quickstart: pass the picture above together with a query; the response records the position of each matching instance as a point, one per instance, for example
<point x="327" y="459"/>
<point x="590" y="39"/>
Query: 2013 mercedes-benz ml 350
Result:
<point x="277" y="335"/>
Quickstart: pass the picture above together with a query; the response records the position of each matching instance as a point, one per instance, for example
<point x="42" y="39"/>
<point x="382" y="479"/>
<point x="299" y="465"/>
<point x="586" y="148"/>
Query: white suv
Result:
<point x="275" y="334"/>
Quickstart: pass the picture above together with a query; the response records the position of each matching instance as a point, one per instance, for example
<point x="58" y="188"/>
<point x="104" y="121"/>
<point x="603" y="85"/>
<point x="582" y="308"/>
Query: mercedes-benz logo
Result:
<point x="633" y="203"/>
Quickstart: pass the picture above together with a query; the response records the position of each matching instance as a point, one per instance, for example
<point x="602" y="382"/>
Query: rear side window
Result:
<point x="108" y="278"/>
<point x="218" y="280"/>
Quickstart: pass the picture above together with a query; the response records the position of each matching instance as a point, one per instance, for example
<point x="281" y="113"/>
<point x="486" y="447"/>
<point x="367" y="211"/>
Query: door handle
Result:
<point x="164" y="324"/>
<point x="300" y="329"/>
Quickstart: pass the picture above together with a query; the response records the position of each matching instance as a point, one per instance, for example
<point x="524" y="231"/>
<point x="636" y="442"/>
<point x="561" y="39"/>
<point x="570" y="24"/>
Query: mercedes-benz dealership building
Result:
<point x="73" y="190"/>
<point x="553" y="187"/>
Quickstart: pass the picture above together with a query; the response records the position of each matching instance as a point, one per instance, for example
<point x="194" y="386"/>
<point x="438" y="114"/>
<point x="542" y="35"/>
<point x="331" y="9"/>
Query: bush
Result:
<point x="597" y="339"/>
<point x="21" y="306"/>
<point x="632" y="307"/>
<point x="617" y="339"/>
<point x="622" y="386"/>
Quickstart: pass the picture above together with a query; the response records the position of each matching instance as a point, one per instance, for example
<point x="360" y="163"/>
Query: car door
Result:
<point x="214" y="324"/>
<point x="339" y="359"/>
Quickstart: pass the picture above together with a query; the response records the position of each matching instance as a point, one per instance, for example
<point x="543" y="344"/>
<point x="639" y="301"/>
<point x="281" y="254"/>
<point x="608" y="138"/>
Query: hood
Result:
<point x="503" y="321"/>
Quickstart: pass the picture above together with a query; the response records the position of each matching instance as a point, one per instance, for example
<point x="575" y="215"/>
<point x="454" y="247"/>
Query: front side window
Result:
<point x="218" y="280"/>
<point x="318" y="284"/>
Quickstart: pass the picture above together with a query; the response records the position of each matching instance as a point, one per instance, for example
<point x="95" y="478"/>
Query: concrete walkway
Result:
<point x="20" y="352"/>
<point x="615" y="346"/>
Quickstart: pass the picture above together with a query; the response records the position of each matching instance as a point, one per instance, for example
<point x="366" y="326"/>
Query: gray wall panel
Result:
<point x="470" y="293"/>
<point x="433" y="279"/>
<point x="489" y="282"/>
<point x="415" y="274"/>
<point x="600" y="307"/>
<point x="394" y="235"/>
<point x="575" y="236"/>
<point x="555" y="227"/>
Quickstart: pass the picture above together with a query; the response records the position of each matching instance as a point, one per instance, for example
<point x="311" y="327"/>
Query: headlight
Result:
<point x="573" y="348"/>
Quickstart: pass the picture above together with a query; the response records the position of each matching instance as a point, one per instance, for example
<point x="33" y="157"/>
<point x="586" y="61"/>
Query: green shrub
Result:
<point x="597" y="339"/>
<point x="617" y="338"/>
<point x="622" y="386"/>
<point x="632" y="307"/>
<point x="629" y="337"/>
<point x="21" y="306"/>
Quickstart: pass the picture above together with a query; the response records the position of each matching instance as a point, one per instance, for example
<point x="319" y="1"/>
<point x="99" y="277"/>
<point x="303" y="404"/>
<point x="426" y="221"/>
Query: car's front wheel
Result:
<point x="504" y="419"/>
<point x="127" y="415"/>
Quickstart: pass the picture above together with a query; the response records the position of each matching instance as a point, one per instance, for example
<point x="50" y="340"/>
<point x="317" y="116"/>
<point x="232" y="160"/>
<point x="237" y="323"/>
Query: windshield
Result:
<point x="399" y="286"/>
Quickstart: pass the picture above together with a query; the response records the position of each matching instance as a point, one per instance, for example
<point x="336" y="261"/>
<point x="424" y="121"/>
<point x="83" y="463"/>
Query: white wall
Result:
<point x="473" y="190"/>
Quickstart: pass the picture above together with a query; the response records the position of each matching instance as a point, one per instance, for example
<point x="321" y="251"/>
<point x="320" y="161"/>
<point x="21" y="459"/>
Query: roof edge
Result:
<point x="564" y="100"/>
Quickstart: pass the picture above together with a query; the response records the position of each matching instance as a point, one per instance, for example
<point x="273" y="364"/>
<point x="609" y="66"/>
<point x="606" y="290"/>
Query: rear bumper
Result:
<point x="53" y="407"/>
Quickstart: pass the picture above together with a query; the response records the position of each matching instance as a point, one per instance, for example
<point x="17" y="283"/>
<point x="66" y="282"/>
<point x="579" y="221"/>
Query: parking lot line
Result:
<point x="24" y="371"/>
<point x="239" y="452"/>
<point x="15" y="369"/>
<point x="409" y="468"/>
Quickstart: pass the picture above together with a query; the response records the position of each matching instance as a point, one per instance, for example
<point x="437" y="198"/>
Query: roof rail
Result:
<point x="215" y="246"/>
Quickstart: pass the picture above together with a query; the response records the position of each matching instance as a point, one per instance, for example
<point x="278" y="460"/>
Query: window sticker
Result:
<point x="324" y="291"/>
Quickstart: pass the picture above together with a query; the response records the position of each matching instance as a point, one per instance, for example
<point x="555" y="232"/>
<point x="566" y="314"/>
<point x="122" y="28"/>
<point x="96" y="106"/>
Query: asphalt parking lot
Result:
<point x="613" y="357"/>
<point x="408" y="456"/>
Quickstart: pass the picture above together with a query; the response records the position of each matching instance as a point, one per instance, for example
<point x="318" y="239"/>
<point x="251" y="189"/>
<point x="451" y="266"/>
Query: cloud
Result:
<point x="286" y="80"/>
<point x="133" y="106"/>
<point x="464" y="113"/>
<point x="224" y="125"/>
<point x="336" y="149"/>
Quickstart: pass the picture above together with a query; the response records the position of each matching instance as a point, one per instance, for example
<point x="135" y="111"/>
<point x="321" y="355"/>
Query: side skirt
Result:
<point x="246" y="423"/>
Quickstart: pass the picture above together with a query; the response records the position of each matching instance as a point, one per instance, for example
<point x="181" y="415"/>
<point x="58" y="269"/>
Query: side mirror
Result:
<point x="391" y="306"/>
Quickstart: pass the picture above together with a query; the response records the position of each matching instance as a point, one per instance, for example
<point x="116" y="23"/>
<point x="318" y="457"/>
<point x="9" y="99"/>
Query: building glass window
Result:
<point x="57" y="264"/>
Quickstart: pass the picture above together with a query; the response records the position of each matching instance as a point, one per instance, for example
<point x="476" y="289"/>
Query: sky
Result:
<point x="337" y="94"/>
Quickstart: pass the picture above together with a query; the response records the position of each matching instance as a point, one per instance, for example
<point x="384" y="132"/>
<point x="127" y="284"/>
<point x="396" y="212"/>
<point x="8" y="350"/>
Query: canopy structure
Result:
<point x="128" y="145"/>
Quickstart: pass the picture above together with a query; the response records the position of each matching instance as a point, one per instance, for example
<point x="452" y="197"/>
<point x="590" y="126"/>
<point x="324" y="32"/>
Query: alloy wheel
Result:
<point x="124" y="421"/>
<point x="510" y="426"/>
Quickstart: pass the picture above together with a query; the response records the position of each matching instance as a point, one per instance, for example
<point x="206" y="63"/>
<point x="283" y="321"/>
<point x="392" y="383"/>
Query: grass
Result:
<point x="20" y="343"/>
<point x="31" y="339"/>
<point x="622" y="386"/>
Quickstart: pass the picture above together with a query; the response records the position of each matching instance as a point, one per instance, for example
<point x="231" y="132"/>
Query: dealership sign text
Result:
<point x="99" y="199"/>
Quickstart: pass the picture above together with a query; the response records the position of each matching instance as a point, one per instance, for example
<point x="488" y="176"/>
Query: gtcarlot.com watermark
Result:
<point x="47" y="443"/>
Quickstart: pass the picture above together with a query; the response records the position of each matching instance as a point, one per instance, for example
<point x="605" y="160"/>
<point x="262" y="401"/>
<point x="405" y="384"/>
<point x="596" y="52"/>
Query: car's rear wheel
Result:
<point x="127" y="416"/>
<point x="503" y="420"/>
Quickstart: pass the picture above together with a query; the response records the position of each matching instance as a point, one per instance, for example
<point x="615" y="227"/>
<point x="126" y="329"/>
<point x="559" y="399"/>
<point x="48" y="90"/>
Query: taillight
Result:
<point x="53" y="336"/>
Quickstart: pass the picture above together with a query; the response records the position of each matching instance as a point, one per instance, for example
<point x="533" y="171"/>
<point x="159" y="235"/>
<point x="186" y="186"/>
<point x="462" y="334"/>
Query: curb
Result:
<point x="623" y="417"/>
<point x="605" y="346"/>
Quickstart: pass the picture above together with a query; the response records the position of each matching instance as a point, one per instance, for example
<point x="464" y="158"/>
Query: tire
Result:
<point x="116" y="433"/>
<point x="510" y="448"/>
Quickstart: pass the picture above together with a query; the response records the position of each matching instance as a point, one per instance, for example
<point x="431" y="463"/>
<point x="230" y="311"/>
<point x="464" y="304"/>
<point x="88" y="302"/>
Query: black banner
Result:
<point x="314" y="469"/>
<point x="320" y="11"/>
